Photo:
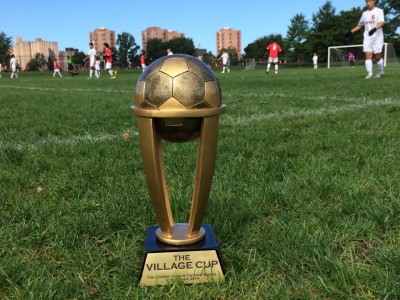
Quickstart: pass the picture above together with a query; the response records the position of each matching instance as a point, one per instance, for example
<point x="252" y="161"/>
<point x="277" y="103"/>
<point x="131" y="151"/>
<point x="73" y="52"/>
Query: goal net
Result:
<point x="338" y="55"/>
<point x="250" y="63"/>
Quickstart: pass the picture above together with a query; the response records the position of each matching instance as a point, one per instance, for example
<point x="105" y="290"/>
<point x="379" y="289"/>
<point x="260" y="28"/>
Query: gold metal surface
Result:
<point x="180" y="235"/>
<point x="178" y="99"/>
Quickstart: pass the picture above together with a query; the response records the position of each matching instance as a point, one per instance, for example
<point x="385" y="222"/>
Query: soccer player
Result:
<point x="91" y="56"/>
<point x="315" y="61"/>
<point x="97" y="67"/>
<point x="13" y="66"/>
<point x="372" y="20"/>
<point x="143" y="61"/>
<point x="273" y="57"/>
<point x="0" y="69"/>
<point x="108" y="55"/>
<point x="169" y="52"/>
<point x="351" y="59"/>
<point x="56" y="68"/>
<point x="225" y="62"/>
<point x="70" y="66"/>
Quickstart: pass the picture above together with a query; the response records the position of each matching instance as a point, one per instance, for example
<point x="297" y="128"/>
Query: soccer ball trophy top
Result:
<point x="178" y="99"/>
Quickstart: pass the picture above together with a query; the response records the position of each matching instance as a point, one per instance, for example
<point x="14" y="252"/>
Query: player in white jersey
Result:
<point x="372" y="20"/>
<point x="315" y="61"/>
<point x="97" y="68"/>
<point x="92" y="58"/>
<point x="13" y="66"/>
<point x="225" y="62"/>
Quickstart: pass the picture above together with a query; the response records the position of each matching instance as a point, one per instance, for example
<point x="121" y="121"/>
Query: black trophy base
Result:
<point x="195" y="263"/>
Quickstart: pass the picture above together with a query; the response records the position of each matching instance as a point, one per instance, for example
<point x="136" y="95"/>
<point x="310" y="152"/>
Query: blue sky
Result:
<point x="69" y="22"/>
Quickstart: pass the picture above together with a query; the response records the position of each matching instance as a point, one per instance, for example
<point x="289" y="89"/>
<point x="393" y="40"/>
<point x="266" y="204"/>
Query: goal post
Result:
<point x="337" y="55"/>
<point x="250" y="63"/>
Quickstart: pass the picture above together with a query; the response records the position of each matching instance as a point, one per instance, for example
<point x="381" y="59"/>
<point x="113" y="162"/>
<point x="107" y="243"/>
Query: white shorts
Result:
<point x="371" y="44"/>
<point x="13" y="68"/>
<point x="91" y="64"/>
<point x="56" y="70"/>
<point x="273" y="59"/>
<point x="108" y="65"/>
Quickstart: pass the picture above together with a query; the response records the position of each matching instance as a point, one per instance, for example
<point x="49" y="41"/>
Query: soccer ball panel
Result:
<point x="158" y="89"/>
<point x="200" y="70"/>
<point x="151" y="70"/>
<point x="172" y="104"/>
<point x="212" y="93"/>
<point x="174" y="66"/>
<point x="188" y="89"/>
<point x="140" y="93"/>
<point x="201" y="105"/>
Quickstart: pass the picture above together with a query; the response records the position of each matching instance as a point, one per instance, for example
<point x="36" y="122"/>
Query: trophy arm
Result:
<point x="151" y="150"/>
<point x="206" y="156"/>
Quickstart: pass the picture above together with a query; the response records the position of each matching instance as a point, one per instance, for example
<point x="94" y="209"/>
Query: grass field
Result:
<point x="305" y="201"/>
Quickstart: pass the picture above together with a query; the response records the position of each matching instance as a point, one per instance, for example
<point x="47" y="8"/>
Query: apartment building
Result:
<point x="156" y="32"/>
<point x="100" y="36"/>
<point x="229" y="38"/>
<point x="25" y="51"/>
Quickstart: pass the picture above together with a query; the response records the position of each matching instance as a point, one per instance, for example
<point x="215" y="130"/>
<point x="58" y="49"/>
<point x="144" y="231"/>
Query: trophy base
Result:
<point x="192" y="263"/>
<point x="180" y="235"/>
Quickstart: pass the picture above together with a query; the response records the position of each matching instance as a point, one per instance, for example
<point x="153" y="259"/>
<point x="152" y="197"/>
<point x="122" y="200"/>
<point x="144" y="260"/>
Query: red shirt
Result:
<point x="56" y="65"/>
<point x="274" y="49"/>
<point x="142" y="60"/>
<point x="109" y="55"/>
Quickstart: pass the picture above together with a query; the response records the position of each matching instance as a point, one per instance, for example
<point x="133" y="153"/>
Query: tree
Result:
<point x="296" y="38"/>
<point x="257" y="48"/>
<point x="325" y="31"/>
<point x="78" y="57"/>
<point x="348" y="20"/>
<point x="50" y="63"/>
<point x="392" y="19"/>
<point x="5" y="48"/>
<point x="36" y="63"/>
<point x="208" y="58"/>
<point x="127" y="49"/>
<point x="154" y="49"/>
<point x="180" y="45"/>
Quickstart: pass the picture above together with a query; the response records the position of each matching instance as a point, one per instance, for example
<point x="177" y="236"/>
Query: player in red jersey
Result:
<point x="273" y="57"/>
<point x="56" y="68"/>
<point x="143" y="61"/>
<point x="108" y="56"/>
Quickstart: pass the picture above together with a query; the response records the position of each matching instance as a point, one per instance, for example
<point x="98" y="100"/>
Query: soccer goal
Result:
<point x="337" y="55"/>
<point x="250" y="63"/>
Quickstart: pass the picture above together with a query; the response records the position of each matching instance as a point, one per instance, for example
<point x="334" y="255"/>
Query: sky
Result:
<point x="69" y="22"/>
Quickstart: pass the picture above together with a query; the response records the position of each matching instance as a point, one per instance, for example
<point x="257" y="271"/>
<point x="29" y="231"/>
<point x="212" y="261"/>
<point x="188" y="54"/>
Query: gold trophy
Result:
<point x="178" y="99"/>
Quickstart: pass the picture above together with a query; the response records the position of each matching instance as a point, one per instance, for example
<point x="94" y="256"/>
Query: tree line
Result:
<point x="303" y="38"/>
<point x="326" y="29"/>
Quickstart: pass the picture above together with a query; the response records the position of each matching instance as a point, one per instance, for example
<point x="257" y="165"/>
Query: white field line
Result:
<point x="225" y="120"/>
<point x="52" y="140"/>
<point x="67" y="89"/>
<point x="245" y="120"/>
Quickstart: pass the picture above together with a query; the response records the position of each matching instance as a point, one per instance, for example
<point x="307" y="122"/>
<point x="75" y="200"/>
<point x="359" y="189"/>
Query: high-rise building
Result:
<point x="162" y="34"/>
<point x="229" y="38"/>
<point x="100" y="36"/>
<point x="25" y="51"/>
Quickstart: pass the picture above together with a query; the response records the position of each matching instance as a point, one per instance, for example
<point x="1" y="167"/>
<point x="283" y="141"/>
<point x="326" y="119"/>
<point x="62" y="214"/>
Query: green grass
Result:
<point x="305" y="200"/>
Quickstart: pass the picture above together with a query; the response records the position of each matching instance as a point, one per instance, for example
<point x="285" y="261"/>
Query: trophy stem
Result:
<point x="150" y="146"/>
<point x="206" y="156"/>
